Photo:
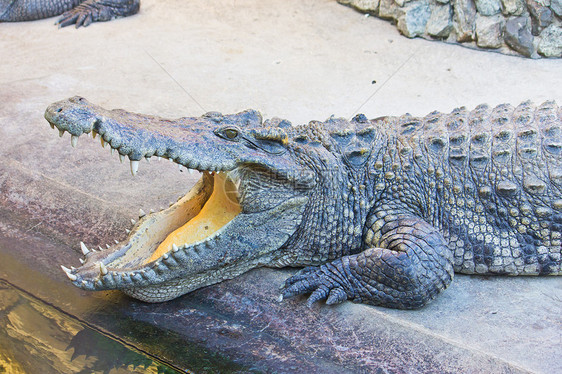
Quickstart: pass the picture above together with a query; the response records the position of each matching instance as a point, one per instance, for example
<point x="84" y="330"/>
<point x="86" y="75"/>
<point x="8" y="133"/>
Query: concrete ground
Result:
<point x="296" y="59"/>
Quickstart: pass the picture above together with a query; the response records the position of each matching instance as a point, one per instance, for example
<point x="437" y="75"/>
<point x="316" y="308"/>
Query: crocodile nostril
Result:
<point x="59" y="110"/>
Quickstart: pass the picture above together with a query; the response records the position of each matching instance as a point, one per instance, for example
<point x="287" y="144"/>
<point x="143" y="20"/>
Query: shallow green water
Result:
<point x="37" y="338"/>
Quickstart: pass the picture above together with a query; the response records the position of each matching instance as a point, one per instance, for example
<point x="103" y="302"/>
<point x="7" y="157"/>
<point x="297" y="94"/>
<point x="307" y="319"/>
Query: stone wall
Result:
<point x="532" y="28"/>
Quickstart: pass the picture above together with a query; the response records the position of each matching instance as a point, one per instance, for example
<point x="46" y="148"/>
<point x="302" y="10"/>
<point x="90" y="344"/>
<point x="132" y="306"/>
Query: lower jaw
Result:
<point x="176" y="287"/>
<point x="159" y="237"/>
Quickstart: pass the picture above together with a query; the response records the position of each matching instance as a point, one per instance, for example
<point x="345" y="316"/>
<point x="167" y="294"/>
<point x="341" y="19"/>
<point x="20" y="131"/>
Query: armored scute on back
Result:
<point x="381" y="211"/>
<point x="490" y="180"/>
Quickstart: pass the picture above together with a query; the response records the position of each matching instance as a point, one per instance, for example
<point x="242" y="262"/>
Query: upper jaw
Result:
<point x="188" y="141"/>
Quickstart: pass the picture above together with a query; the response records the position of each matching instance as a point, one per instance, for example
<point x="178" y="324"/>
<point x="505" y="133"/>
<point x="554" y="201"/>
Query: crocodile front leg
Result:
<point x="98" y="11"/>
<point x="410" y="264"/>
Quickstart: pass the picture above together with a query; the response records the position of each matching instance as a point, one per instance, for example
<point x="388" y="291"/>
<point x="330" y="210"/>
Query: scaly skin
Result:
<point x="380" y="211"/>
<point x="74" y="12"/>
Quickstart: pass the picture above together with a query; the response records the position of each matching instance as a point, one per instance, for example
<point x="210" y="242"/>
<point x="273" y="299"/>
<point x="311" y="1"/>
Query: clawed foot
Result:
<point x="323" y="282"/>
<point x="84" y="14"/>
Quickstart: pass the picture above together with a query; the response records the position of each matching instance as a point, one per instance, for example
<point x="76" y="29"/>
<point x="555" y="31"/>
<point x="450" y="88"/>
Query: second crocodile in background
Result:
<point x="73" y="12"/>
<point x="381" y="211"/>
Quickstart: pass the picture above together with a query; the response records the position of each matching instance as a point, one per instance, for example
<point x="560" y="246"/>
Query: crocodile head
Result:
<point x="247" y="204"/>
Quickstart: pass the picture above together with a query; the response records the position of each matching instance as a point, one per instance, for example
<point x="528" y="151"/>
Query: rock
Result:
<point x="488" y="7"/>
<point x="369" y="6"/>
<point x="518" y="36"/>
<point x="520" y="24"/>
<point x="440" y="22"/>
<point x="464" y="16"/>
<point x="513" y="7"/>
<point x="389" y="9"/>
<point x="413" y="19"/>
<point x="556" y="7"/>
<point x="489" y="31"/>
<point x="541" y="16"/>
<point x="551" y="41"/>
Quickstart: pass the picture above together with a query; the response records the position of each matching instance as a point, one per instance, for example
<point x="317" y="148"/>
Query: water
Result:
<point x="38" y="338"/>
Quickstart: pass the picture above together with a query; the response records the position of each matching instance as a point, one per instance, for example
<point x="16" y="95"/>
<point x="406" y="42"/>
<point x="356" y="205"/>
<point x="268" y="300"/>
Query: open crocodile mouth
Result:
<point x="162" y="239"/>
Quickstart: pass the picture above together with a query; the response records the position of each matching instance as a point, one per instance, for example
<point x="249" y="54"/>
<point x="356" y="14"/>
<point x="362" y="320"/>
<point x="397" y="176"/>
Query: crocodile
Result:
<point x="381" y="211"/>
<point x="74" y="12"/>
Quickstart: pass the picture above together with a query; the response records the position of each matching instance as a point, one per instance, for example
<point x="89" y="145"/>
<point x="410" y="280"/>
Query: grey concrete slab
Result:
<point x="299" y="60"/>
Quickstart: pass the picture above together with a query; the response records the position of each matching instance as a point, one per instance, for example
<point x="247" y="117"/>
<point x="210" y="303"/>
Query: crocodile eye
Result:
<point x="228" y="133"/>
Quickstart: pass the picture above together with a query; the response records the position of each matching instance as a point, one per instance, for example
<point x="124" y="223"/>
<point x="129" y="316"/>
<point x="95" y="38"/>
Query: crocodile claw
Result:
<point x="320" y="282"/>
<point x="79" y="16"/>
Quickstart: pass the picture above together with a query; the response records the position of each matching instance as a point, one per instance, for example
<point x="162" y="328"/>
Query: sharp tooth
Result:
<point x="82" y="261"/>
<point x="134" y="167"/>
<point x="175" y="248"/>
<point x="73" y="140"/>
<point x="61" y="133"/>
<point x="133" y="221"/>
<point x="70" y="276"/>
<point x="103" y="142"/>
<point x="158" y="158"/>
<point x="103" y="269"/>
<point x="151" y="211"/>
<point x="171" y="203"/>
<point x="94" y="134"/>
<point x="127" y="231"/>
<point x="99" y="246"/>
<point x="88" y="134"/>
<point x="52" y="126"/>
<point x="84" y="249"/>
<point x="66" y="270"/>
<point x="115" y="240"/>
<point x="147" y="158"/>
<point x="72" y="268"/>
<point x="112" y="151"/>
<point x="161" y="208"/>
<point x="190" y="171"/>
<point x="141" y="213"/>
<point x="107" y="245"/>
<point x="165" y="256"/>
<point x="121" y="157"/>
